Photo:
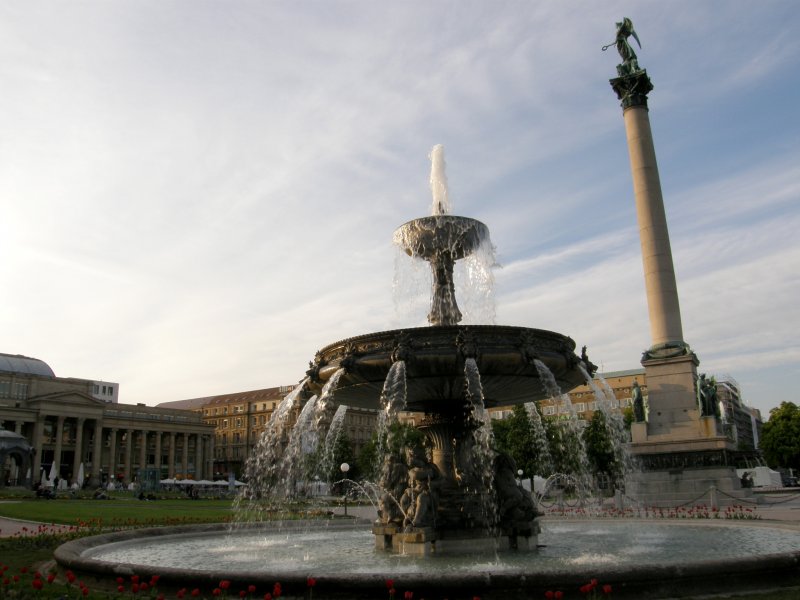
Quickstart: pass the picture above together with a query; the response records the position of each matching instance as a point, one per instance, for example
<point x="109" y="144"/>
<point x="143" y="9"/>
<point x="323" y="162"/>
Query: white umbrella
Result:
<point x="237" y="483"/>
<point x="44" y="478"/>
<point x="204" y="482"/>
<point x="28" y="475"/>
<point x="81" y="475"/>
<point x="220" y="482"/>
<point x="167" y="481"/>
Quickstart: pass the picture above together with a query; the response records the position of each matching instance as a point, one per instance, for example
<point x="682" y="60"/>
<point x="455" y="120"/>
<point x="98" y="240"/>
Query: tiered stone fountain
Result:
<point x="461" y="497"/>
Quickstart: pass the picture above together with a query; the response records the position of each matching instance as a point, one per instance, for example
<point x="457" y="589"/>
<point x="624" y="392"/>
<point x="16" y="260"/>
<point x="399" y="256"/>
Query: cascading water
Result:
<point x="332" y="440"/>
<point x="544" y="458"/>
<point x="569" y="445"/>
<point x="617" y="434"/>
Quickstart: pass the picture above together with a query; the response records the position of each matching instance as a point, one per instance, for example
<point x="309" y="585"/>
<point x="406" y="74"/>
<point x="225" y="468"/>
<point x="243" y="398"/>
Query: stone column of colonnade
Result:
<point x="185" y="455"/>
<point x="198" y="457"/>
<point x="171" y="465"/>
<point x="59" y="443"/>
<point x="143" y="449"/>
<point x="77" y="459"/>
<point x="38" y="435"/>
<point x="157" y="453"/>
<point x="128" y="449"/>
<point x="97" y="453"/>
<point x="112" y="453"/>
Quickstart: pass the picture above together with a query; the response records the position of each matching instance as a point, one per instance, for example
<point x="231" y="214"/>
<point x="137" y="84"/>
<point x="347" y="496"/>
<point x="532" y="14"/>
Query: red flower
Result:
<point x="51" y="577"/>
<point x="267" y="596"/>
<point x="135" y="588"/>
<point x="195" y="592"/>
<point x="607" y="589"/>
<point x="311" y="582"/>
<point x="251" y="588"/>
<point x="154" y="580"/>
<point x="585" y="589"/>
<point x="120" y="581"/>
<point x="85" y="591"/>
<point x="70" y="576"/>
<point x="120" y="588"/>
<point x="242" y="594"/>
<point x="559" y="594"/>
<point x="217" y="591"/>
<point x="143" y="586"/>
<point x="37" y="584"/>
<point x="224" y="584"/>
<point x="408" y="595"/>
<point x="390" y="583"/>
<point x="549" y="594"/>
<point x="277" y="590"/>
<point x="134" y="578"/>
<point x="23" y="570"/>
<point x="181" y="593"/>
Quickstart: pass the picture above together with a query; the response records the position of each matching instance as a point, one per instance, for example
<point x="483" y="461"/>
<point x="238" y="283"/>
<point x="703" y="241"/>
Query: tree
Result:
<point x="780" y="437"/>
<point x="600" y="448"/>
<point x="514" y="436"/>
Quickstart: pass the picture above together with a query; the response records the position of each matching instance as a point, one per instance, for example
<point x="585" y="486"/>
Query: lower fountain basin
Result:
<point x="435" y="357"/>
<point x="639" y="559"/>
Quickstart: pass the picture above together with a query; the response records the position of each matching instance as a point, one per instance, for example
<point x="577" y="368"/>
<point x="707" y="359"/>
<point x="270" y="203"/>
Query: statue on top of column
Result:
<point x="630" y="63"/>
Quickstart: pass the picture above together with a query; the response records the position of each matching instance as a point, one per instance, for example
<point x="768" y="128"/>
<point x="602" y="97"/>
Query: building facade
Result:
<point x="71" y="430"/>
<point x="240" y="418"/>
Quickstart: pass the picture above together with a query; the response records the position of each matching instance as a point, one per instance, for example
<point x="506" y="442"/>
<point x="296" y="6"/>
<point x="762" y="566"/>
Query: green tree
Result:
<point x="514" y="436"/>
<point x="780" y="437"/>
<point x="566" y="448"/>
<point x="342" y="453"/>
<point x="600" y="448"/>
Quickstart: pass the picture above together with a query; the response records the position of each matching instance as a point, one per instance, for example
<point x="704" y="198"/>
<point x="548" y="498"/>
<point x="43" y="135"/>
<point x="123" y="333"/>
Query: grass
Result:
<point x="118" y="511"/>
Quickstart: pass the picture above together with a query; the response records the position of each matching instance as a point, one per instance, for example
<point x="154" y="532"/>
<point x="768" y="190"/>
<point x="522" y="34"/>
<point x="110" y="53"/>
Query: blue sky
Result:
<point x="197" y="196"/>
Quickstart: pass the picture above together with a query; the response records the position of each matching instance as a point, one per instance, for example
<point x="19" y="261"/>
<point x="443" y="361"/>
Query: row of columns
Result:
<point x="203" y="460"/>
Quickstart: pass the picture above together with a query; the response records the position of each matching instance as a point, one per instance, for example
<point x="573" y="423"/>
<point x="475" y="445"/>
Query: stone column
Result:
<point x="171" y="467"/>
<point x="38" y="434"/>
<point x="210" y="457"/>
<point x="659" y="273"/>
<point x="97" y="453"/>
<point x="128" y="450"/>
<point x="157" y="456"/>
<point x="78" y="458"/>
<point x="185" y="456"/>
<point x="112" y="454"/>
<point x="143" y="450"/>
<point x="198" y="457"/>
<point x="59" y="444"/>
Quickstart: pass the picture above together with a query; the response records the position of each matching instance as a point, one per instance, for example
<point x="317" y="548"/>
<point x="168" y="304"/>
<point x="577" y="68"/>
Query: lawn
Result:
<point x="118" y="511"/>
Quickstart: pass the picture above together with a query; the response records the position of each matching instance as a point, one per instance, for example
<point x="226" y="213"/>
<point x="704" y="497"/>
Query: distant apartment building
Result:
<point x="240" y="418"/>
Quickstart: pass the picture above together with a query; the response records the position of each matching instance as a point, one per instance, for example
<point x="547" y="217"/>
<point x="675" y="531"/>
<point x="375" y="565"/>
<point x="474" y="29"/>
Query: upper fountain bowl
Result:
<point x="428" y="237"/>
<point x="435" y="359"/>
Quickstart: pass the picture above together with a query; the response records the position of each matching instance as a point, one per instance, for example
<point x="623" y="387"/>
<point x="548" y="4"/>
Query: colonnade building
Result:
<point x="76" y="424"/>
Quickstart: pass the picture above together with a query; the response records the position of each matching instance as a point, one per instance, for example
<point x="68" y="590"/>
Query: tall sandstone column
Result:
<point x="682" y="452"/>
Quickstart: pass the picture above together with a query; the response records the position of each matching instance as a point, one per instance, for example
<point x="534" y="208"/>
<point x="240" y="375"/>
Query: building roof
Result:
<point x="189" y="404"/>
<point x="263" y="395"/>
<point x="16" y="363"/>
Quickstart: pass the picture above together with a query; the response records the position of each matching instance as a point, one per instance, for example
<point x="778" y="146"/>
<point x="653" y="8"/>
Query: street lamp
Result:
<point x="519" y="474"/>
<point x="345" y="468"/>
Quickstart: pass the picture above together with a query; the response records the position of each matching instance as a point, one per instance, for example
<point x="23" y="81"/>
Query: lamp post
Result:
<point x="345" y="468"/>
<point x="519" y="475"/>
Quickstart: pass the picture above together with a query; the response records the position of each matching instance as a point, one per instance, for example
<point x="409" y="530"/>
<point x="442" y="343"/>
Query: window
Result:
<point x="550" y="410"/>
<point x="580" y="407"/>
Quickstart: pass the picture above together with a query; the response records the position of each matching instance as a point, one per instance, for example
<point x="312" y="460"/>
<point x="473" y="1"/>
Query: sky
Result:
<point x="196" y="196"/>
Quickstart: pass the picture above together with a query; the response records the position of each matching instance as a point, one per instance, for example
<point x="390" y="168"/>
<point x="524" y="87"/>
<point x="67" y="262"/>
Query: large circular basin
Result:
<point x="639" y="559"/>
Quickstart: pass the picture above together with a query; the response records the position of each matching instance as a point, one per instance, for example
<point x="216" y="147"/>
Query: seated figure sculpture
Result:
<point x="515" y="505"/>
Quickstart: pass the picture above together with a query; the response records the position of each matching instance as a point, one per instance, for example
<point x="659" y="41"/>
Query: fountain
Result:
<point x="452" y="519"/>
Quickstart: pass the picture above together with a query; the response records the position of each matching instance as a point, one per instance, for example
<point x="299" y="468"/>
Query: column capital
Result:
<point x="632" y="89"/>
